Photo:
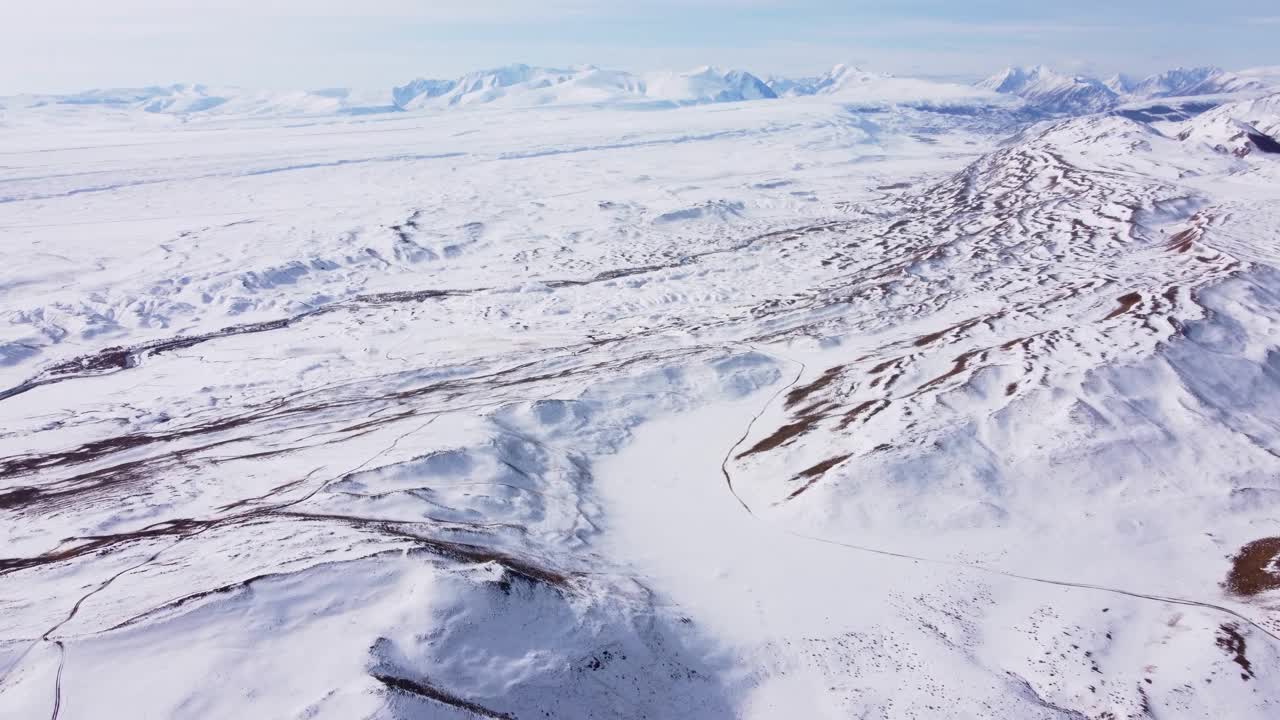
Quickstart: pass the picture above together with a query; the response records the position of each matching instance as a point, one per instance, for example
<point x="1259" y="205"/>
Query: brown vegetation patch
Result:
<point x="821" y="468"/>
<point x="800" y="393"/>
<point x="961" y="364"/>
<point x="430" y="692"/>
<point x="931" y="337"/>
<point x="870" y="407"/>
<point x="1022" y="341"/>
<point x="17" y="497"/>
<point x="819" y="407"/>
<point x="112" y="358"/>
<point x="813" y="474"/>
<point x="1256" y="568"/>
<point x="884" y="366"/>
<point x="91" y="544"/>
<point x="958" y="327"/>
<point x="1232" y="643"/>
<point x="1126" y="304"/>
<point x="1182" y="241"/>
<point x="782" y="435"/>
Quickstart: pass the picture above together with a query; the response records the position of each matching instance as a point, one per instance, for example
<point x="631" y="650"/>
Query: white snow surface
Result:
<point x="816" y="407"/>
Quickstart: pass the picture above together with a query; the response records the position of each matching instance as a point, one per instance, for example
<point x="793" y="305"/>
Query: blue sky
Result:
<point x="63" y="45"/>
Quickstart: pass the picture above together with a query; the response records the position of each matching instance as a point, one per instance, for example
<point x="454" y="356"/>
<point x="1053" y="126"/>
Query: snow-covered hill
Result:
<point x="1238" y="128"/>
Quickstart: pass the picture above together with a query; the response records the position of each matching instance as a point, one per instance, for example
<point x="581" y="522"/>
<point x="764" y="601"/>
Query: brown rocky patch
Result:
<point x="1256" y="568"/>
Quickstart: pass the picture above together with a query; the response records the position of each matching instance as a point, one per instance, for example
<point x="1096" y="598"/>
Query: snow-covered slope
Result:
<point x="1268" y="76"/>
<point x="1239" y="128"/>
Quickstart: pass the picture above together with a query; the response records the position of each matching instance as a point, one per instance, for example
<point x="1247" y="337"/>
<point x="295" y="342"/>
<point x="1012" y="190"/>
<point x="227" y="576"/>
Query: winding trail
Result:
<point x="728" y="477"/>
<point x="57" y="684"/>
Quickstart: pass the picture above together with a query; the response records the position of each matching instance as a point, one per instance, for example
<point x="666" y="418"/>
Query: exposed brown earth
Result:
<point x="782" y="435"/>
<point x="430" y="692"/>
<point x="1126" y="304"/>
<point x="1181" y="242"/>
<point x="961" y="364"/>
<point x="1232" y="642"/>
<point x="1255" y="568"/>
<point x="815" y="473"/>
<point x="800" y="393"/>
<point x="870" y="407"/>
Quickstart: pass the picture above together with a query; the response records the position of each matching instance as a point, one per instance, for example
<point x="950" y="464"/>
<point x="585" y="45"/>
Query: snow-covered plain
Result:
<point x="880" y="402"/>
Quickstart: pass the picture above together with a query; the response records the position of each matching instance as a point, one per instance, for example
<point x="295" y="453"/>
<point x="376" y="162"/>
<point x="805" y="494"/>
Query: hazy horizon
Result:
<point x="70" y="45"/>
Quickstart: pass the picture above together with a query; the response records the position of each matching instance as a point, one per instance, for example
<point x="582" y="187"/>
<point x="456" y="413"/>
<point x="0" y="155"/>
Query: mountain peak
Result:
<point x="1053" y="92"/>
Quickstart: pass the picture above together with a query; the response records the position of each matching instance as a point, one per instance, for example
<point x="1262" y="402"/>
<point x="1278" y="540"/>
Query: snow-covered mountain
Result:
<point x="852" y="84"/>
<point x="1185" y="82"/>
<point x="1121" y="83"/>
<point x="524" y="85"/>
<point x="1173" y="95"/>
<point x="1055" y="93"/>
<point x="521" y="85"/>
<point x="816" y="85"/>
<point x="706" y="84"/>
<point x="1239" y="128"/>
<point x="1052" y="92"/>
<point x="509" y="86"/>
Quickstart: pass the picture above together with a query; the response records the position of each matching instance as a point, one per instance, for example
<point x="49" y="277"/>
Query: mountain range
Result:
<point x="1036" y="89"/>
<point x="1056" y="93"/>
